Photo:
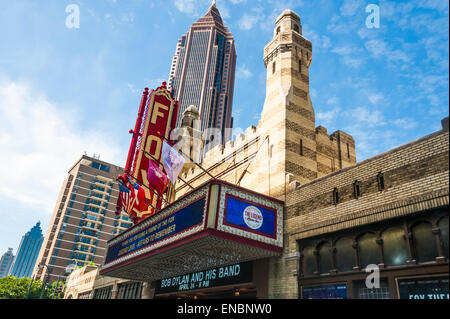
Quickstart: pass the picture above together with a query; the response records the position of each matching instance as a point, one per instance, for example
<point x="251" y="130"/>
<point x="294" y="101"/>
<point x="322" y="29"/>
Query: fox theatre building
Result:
<point x="211" y="243"/>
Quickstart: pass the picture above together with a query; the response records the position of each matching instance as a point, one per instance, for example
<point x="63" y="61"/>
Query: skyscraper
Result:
<point x="6" y="262"/>
<point x="83" y="220"/>
<point x="28" y="252"/>
<point x="202" y="73"/>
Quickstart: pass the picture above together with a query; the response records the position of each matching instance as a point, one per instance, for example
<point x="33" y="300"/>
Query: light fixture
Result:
<point x="237" y="293"/>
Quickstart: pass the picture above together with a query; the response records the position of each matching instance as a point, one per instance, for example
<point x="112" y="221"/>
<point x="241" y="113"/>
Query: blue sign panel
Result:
<point x="250" y="216"/>
<point x="325" y="292"/>
<point x="185" y="218"/>
<point x="423" y="288"/>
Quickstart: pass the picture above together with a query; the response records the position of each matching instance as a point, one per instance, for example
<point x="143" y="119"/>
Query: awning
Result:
<point x="214" y="225"/>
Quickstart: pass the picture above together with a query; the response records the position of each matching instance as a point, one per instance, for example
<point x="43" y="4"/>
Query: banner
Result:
<point x="173" y="162"/>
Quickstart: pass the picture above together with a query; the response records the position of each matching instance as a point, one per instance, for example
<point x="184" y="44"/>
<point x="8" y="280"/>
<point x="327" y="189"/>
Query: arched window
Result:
<point x="443" y="226"/>
<point x="301" y="147"/>
<point x="274" y="67"/>
<point x="309" y="263"/>
<point x="300" y="66"/>
<point x="278" y="30"/>
<point x="324" y="258"/>
<point x="395" y="248"/>
<point x="424" y="242"/>
<point x="368" y="250"/>
<point x="296" y="28"/>
<point x="345" y="254"/>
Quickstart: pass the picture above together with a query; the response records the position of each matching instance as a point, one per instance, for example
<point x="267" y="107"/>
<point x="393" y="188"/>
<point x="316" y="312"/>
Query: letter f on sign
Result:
<point x="157" y="113"/>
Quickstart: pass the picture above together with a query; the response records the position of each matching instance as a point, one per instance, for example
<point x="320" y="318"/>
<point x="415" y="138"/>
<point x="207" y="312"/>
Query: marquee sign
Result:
<point x="173" y="224"/>
<point x="214" y="225"/>
<point x="156" y="118"/>
<point x="214" y="277"/>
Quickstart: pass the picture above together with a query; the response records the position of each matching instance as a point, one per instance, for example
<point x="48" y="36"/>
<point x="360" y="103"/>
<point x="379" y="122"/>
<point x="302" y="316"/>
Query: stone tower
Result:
<point x="288" y="115"/>
<point x="299" y="151"/>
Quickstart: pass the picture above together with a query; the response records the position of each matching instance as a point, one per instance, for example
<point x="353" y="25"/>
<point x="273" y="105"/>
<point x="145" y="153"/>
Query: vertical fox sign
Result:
<point x="156" y="118"/>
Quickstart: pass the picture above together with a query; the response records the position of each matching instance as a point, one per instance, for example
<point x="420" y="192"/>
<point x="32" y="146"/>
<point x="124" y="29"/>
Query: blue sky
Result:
<point x="65" y="91"/>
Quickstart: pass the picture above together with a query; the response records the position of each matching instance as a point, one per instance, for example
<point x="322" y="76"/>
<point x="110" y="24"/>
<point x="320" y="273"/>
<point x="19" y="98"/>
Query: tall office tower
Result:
<point x="28" y="252"/>
<point x="83" y="220"/>
<point x="202" y="73"/>
<point x="6" y="262"/>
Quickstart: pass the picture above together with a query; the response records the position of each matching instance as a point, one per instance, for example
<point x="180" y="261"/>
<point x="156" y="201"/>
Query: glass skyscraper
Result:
<point x="6" y="262"/>
<point x="202" y="73"/>
<point x="28" y="252"/>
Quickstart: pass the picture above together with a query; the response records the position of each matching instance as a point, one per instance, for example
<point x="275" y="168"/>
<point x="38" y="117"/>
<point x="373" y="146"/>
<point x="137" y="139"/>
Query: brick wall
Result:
<point x="416" y="178"/>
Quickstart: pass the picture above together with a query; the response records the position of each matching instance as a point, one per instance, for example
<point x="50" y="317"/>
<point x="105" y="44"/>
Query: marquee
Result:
<point x="214" y="225"/>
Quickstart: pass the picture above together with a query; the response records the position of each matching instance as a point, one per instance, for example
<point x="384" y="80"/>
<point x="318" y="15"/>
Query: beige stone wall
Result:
<point x="80" y="281"/>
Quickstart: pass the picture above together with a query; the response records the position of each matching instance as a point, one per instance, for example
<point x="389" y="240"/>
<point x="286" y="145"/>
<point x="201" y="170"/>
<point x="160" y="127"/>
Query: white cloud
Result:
<point x="243" y="72"/>
<point x="333" y="100"/>
<point x="248" y="21"/>
<point x="371" y="118"/>
<point x="329" y="117"/>
<point x="375" y="98"/>
<point x="185" y="6"/>
<point x="133" y="89"/>
<point x="350" y="7"/>
<point x="199" y="7"/>
<point x="346" y="52"/>
<point x="405" y="123"/>
<point x="40" y="141"/>
<point x="352" y="62"/>
<point x="319" y="42"/>
<point x="379" y="48"/>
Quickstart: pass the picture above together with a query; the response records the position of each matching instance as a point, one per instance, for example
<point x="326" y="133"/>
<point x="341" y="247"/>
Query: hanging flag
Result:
<point x="173" y="162"/>
<point x="120" y="200"/>
<point x="133" y="183"/>
<point x="138" y="193"/>
<point x="157" y="178"/>
<point x="126" y="200"/>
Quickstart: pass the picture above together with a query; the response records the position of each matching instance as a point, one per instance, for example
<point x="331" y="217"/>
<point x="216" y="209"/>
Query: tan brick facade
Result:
<point x="415" y="179"/>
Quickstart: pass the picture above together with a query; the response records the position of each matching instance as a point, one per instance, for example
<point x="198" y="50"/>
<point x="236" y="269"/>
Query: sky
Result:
<point x="67" y="90"/>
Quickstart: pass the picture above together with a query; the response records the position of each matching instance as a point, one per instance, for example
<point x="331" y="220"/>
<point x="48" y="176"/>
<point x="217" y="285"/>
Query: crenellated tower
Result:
<point x="300" y="151"/>
<point x="288" y="114"/>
